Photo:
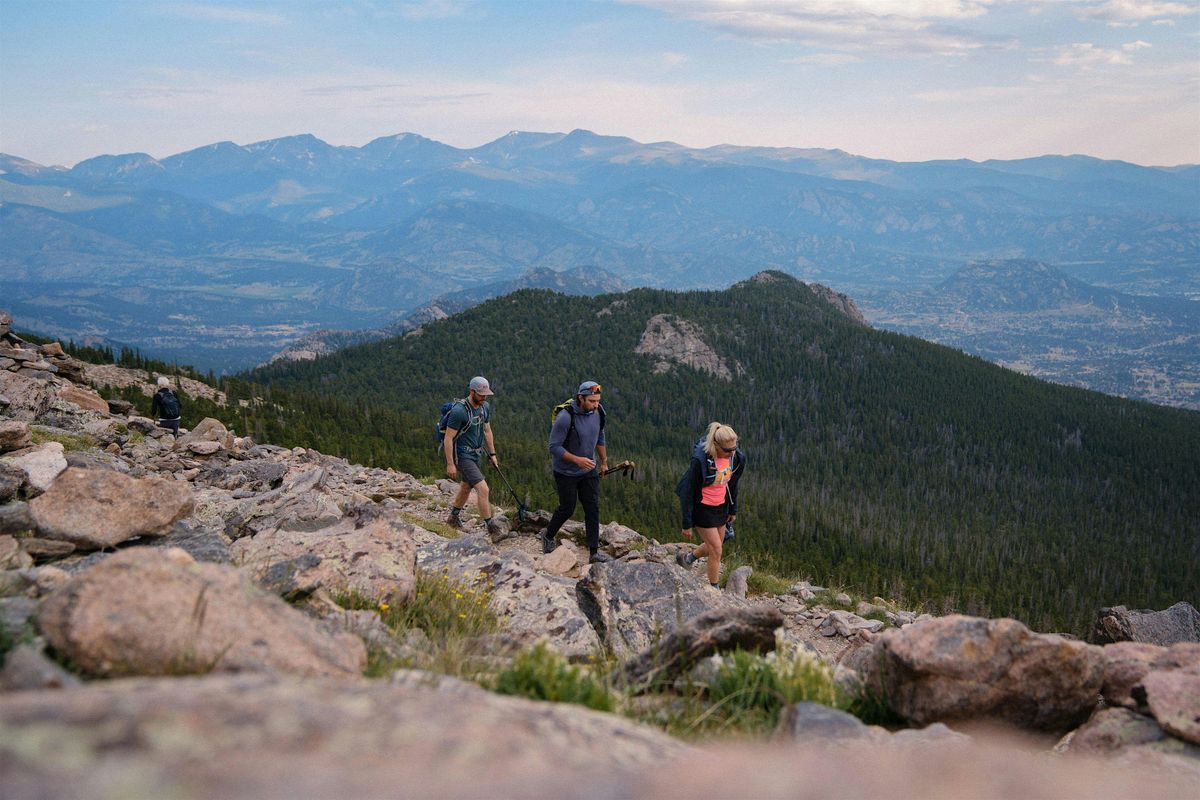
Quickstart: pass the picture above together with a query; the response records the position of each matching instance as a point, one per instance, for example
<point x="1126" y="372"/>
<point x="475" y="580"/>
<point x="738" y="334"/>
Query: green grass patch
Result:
<point x="455" y="615"/>
<point x="433" y="526"/>
<point x="743" y="698"/>
<point x="69" y="441"/>
<point x="540" y="673"/>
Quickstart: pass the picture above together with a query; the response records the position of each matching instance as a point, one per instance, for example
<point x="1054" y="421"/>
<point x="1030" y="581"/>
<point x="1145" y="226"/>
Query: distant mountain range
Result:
<point x="228" y="253"/>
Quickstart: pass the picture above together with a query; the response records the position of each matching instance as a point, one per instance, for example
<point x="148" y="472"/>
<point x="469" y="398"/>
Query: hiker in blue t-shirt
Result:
<point x="468" y="439"/>
<point x="576" y="442"/>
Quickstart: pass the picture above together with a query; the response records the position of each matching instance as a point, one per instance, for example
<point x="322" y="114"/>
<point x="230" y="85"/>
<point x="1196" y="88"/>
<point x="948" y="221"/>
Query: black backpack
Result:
<point x="168" y="401"/>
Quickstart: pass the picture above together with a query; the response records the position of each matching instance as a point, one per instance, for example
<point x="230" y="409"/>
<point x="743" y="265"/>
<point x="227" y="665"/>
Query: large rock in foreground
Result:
<point x="960" y="668"/>
<point x="146" y="611"/>
<point x="96" y="508"/>
<point x="261" y="737"/>
<point x="257" y="736"/>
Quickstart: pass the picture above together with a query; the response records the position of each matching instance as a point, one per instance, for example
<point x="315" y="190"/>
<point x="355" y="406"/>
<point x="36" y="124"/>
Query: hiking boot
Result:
<point x="685" y="558"/>
<point x="549" y="543"/>
<point x="599" y="558"/>
<point x="454" y="521"/>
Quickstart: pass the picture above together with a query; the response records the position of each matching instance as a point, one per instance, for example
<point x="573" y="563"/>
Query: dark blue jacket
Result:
<point x="702" y="472"/>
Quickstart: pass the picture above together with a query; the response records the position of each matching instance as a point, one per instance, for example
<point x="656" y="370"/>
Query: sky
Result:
<point x="908" y="80"/>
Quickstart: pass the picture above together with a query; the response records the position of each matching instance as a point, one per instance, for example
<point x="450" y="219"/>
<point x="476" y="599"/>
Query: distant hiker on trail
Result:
<point x="708" y="495"/>
<point x="469" y="438"/>
<point x="576" y="440"/>
<point x="166" y="406"/>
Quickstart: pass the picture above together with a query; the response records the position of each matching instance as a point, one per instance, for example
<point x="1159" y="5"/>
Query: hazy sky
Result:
<point x="898" y="79"/>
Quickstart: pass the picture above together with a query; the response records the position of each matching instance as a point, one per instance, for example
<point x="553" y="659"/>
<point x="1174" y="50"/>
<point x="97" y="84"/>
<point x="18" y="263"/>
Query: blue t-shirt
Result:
<point x="468" y="421"/>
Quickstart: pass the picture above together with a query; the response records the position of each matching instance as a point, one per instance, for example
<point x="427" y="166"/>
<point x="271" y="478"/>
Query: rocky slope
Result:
<point x="169" y="606"/>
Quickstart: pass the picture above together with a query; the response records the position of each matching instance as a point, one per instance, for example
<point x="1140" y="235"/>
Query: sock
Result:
<point x="715" y="585"/>
<point x="455" y="510"/>
<point x="488" y="521"/>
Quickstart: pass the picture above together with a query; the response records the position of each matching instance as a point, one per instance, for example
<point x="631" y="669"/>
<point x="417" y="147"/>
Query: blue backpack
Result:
<point x="440" y="428"/>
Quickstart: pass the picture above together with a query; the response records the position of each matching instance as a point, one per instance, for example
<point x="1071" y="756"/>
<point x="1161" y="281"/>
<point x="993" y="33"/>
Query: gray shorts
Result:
<point x="469" y="472"/>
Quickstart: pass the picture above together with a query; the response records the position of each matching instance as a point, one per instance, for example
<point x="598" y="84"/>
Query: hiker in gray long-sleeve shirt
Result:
<point x="576" y="440"/>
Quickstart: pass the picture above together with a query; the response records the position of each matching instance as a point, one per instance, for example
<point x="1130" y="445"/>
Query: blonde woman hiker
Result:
<point x="708" y="495"/>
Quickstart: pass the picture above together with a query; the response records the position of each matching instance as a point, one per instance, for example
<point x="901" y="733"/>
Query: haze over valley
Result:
<point x="225" y="255"/>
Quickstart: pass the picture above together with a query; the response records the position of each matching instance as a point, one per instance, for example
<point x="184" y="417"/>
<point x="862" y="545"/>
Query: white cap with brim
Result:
<point x="480" y="385"/>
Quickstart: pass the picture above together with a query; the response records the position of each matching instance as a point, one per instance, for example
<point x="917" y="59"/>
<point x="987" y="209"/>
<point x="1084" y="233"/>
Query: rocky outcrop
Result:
<point x="1179" y="623"/>
<point x="750" y="628"/>
<point x="41" y="465"/>
<point x="368" y="553"/>
<point x="531" y="605"/>
<point x="151" y="612"/>
<point x="632" y="604"/>
<point x="958" y="668"/>
<point x="96" y="508"/>
<point x="672" y="340"/>
<point x="842" y="302"/>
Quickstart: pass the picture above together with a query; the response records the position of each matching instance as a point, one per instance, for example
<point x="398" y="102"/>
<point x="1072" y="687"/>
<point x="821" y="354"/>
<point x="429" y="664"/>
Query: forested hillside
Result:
<point x="877" y="461"/>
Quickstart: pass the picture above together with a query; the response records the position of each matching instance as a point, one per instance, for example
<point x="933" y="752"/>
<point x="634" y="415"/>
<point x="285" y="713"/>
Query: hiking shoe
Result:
<point x="549" y="543"/>
<point x="454" y="521"/>
<point x="685" y="558"/>
<point x="728" y="531"/>
<point x="599" y="558"/>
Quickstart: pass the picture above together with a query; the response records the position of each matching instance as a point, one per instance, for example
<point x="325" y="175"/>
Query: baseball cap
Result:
<point x="589" y="387"/>
<point x="479" y="385"/>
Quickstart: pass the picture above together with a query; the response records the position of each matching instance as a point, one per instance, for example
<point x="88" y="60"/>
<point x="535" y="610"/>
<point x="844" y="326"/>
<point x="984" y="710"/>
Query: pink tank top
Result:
<point x="714" y="495"/>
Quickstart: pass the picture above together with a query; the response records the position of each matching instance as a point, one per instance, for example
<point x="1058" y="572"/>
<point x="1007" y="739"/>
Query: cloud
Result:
<point x="1138" y="45"/>
<point x="825" y="59"/>
<point x="208" y="13"/>
<point x="906" y="27"/>
<point x="1126" y="11"/>
<point x="672" y="60"/>
<point x="972" y="94"/>
<point x="1088" y="55"/>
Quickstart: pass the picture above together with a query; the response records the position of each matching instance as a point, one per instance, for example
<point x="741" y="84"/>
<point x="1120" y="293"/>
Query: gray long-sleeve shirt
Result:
<point x="583" y="441"/>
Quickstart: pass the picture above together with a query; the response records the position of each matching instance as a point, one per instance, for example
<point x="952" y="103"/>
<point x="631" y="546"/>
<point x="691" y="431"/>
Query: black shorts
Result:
<point x="710" y="516"/>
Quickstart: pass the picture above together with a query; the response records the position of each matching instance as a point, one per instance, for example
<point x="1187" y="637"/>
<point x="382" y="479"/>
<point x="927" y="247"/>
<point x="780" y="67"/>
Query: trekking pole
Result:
<point x="520" y="506"/>
<point x="624" y="466"/>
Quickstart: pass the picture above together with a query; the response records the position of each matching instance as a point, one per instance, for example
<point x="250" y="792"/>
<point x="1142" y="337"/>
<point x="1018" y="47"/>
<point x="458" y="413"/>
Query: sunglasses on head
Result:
<point x="727" y="449"/>
<point x="594" y="390"/>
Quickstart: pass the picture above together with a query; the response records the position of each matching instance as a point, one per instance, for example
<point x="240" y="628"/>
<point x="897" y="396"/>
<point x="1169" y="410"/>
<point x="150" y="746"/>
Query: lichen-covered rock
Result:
<point x="1126" y="664"/>
<point x="632" y="604"/>
<point x="86" y="399"/>
<point x="530" y="605"/>
<point x="1113" y="729"/>
<point x="145" y="611"/>
<point x="369" y="553"/>
<point x="957" y="667"/>
<point x="1179" y="623"/>
<point x="96" y="508"/>
<point x="1174" y="699"/>
<point x="41" y="466"/>
<point x="14" y="434"/>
